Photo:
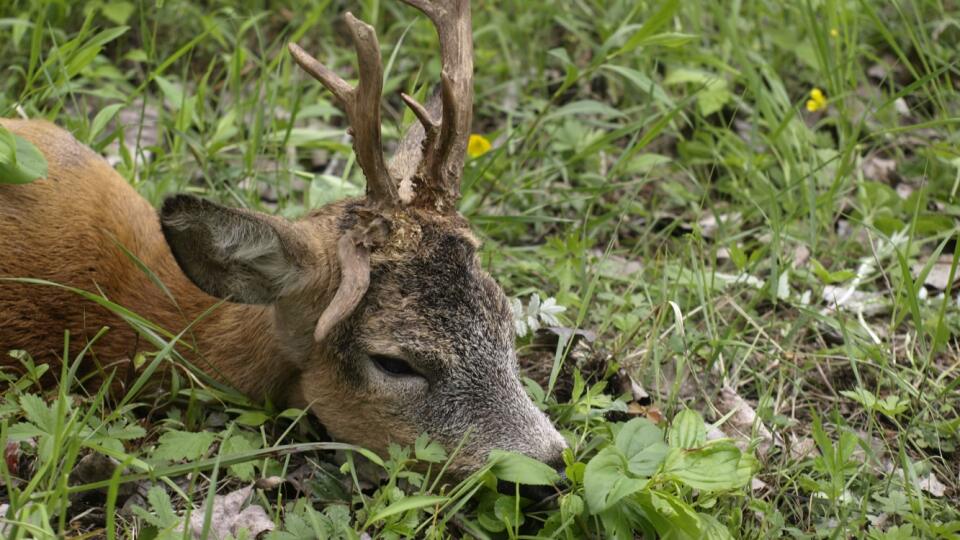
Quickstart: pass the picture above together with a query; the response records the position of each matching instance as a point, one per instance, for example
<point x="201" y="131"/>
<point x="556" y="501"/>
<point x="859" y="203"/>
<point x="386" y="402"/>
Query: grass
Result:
<point x="655" y="170"/>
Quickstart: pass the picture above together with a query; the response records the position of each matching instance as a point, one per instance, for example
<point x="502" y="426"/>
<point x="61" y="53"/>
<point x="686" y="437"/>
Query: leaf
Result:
<point x="178" y="445"/>
<point x="647" y="461"/>
<point x="430" y="451"/>
<point x="505" y="509"/>
<point x="521" y="469"/>
<point x="102" y="118"/>
<point x="585" y="106"/>
<point x="716" y="467"/>
<point x="656" y="21"/>
<point x="712" y="90"/>
<point x="239" y="444"/>
<point x="20" y="161"/>
<point x="118" y="12"/>
<point x="671" y="515"/>
<point x="643" y="83"/>
<point x="163" y="516"/>
<point x="711" y="529"/>
<point x="38" y="412"/>
<point x="406" y="504"/>
<point x="230" y="515"/>
<point x="636" y="435"/>
<point x="252" y="418"/>
<point x="687" y="430"/>
<point x="831" y="277"/>
<point x="605" y="480"/>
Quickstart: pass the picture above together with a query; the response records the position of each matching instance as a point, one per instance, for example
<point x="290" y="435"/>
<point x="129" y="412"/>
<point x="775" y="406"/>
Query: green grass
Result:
<point x="654" y="169"/>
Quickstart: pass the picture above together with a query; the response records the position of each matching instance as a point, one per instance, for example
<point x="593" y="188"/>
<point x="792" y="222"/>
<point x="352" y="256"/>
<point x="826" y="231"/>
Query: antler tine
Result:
<point x="444" y="158"/>
<point x="361" y="104"/>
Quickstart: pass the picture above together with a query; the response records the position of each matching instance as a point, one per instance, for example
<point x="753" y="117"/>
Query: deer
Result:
<point x="373" y="313"/>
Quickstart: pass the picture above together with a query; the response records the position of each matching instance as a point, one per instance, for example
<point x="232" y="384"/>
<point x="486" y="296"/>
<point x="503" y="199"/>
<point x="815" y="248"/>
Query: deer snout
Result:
<point x="542" y="441"/>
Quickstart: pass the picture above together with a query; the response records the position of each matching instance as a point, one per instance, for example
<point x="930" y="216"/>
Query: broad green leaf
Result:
<point x="605" y="480"/>
<point x="651" y="26"/>
<point x="521" y="469"/>
<point x="20" y="161"/>
<point x="430" y="451"/>
<point x="406" y="504"/>
<point x="102" y="118"/>
<point x="716" y="467"/>
<point x="239" y="444"/>
<point x="647" y="461"/>
<point x="687" y="430"/>
<point x="38" y="412"/>
<point x="118" y="12"/>
<point x="252" y="418"/>
<point x="670" y="40"/>
<point x="671" y="515"/>
<point x="713" y="96"/>
<point x="177" y="445"/>
<point x="505" y="509"/>
<point x="711" y="529"/>
<point x="643" y="83"/>
<point x="585" y="106"/>
<point x="636" y="435"/>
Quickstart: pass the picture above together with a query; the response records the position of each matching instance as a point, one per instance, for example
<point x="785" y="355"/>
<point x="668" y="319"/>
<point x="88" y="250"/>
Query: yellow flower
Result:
<point x="817" y="100"/>
<point x="834" y="32"/>
<point x="478" y="145"/>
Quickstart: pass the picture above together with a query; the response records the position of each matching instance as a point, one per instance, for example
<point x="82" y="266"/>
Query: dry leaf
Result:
<point x="878" y="168"/>
<point x="711" y="223"/>
<point x="855" y="301"/>
<point x="615" y="266"/>
<point x="268" y="483"/>
<point x="743" y="421"/>
<point x="757" y="484"/>
<point x="939" y="276"/>
<point x="229" y="517"/>
<point x="801" y="254"/>
<point x="802" y="448"/>
<point x="933" y="486"/>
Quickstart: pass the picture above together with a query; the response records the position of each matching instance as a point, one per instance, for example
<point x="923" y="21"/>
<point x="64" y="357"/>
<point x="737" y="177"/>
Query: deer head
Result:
<point x="381" y="306"/>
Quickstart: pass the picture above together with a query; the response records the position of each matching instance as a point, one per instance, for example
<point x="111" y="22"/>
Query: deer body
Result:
<point x="68" y="229"/>
<point x="372" y="312"/>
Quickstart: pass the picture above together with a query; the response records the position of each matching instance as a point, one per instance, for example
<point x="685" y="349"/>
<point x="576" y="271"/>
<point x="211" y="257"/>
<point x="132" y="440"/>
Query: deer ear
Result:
<point x="354" y="258"/>
<point x="239" y="255"/>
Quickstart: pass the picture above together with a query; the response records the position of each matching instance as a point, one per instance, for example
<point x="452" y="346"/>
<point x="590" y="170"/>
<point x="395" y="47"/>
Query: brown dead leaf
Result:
<point x="230" y="515"/>
<point x="12" y="456"/>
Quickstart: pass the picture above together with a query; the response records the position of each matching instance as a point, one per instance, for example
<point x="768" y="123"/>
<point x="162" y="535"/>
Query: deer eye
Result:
<point x="394" y="366"/>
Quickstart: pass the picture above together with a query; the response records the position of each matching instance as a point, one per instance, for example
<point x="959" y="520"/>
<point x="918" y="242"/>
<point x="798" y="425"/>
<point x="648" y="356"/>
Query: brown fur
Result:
<point x="428" y="303"/>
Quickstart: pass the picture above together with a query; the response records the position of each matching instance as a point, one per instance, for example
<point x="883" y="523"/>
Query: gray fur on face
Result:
<point x="452" y="323"/>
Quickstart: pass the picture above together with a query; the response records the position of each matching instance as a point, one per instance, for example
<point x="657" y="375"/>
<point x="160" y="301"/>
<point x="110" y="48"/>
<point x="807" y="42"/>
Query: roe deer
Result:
<point x="374" y="312"/>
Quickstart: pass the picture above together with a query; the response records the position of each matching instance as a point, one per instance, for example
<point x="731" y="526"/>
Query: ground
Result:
<point x="745" y="213"/>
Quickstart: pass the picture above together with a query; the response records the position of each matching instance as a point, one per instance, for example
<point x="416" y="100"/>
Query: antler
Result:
<point x="431" y="154"/>
<point x="362" y="106"/>
<point x="444" y="140"/>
